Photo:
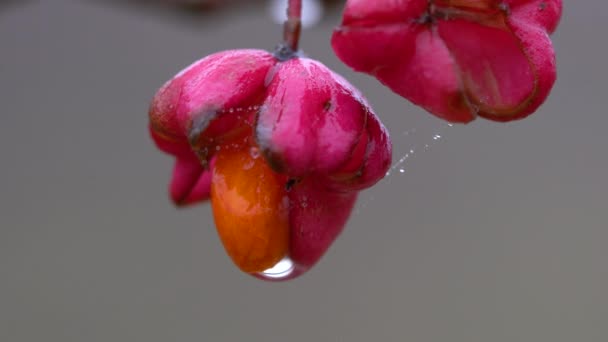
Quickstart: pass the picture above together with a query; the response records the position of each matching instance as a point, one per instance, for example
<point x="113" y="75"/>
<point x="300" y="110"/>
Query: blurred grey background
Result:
<point x="492" y="232"/>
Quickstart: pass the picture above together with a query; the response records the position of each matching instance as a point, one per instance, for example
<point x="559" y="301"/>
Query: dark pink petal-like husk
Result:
<point x="430" y="79"/>
<point x="497" y="77"/>
<point x="316" y="216"/>
<point x="175" y="146"/>
<point x="370" y="160"/>
<point x="167" y="129"/>
<point x="190" y="182"/>
<point x="383" y="44"/>
<point x="211" y="97"/>
<point x="220" y="96"/>
<point x="311" y="119"/>
<point x="381" y="28"/>
<point x="539" y="51"/>
<point x="358" y="12"/>
<point x="483" y="58"/>
<point x="231" y="80"/>
<point x="544" y="13"/>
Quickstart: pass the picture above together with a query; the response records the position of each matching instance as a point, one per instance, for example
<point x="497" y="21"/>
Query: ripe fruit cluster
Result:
<point x="281" y="145"/>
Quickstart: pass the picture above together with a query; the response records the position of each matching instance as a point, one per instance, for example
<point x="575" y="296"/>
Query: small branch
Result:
<point x="293" y="24"/>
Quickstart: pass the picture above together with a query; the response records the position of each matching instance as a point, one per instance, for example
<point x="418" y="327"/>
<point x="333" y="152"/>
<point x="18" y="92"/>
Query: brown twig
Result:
<point x="293" y="24"/>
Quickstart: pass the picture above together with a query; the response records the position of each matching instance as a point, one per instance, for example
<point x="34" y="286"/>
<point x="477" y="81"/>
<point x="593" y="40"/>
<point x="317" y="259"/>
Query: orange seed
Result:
<point x="250" y="208"/>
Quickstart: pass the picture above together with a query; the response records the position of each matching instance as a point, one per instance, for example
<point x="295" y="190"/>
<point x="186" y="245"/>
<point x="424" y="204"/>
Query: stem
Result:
<point x="293" y="24"/>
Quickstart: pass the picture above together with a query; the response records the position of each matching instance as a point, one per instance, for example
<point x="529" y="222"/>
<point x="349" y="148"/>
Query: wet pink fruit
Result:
<point x="280" y="144"/>
<point x="455" y="58"/>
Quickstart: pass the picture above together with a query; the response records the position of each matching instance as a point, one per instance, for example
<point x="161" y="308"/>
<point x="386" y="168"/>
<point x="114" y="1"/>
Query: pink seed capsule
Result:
<point x="281" y="146"/>
<point x="458" y="59"/>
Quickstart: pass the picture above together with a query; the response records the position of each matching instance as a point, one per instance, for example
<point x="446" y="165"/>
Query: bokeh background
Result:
<point x="492" y="232"/>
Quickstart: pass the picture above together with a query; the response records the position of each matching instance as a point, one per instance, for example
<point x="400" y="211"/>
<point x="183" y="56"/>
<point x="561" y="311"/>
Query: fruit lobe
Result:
<point x="250" y="208"/>
<point x="458" y="59"/>
<point x="280" y="146"/>
<point x="317" y="217"/>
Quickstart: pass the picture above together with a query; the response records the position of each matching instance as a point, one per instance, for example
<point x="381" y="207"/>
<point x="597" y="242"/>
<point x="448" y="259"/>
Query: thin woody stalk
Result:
<point x="293" y="24"/>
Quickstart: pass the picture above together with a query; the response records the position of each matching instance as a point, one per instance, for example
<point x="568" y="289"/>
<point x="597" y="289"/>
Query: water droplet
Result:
<point x="254" y="152"/>
<point x="248" y="165"/>
<point x="283" y="270"/>
<point x="436" y="137"/>
<point x="402" y="170"/>
<point x="304" y="202"/>
<point x="218" y="147"/>
<point x="231" y="110"/>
